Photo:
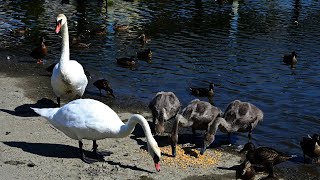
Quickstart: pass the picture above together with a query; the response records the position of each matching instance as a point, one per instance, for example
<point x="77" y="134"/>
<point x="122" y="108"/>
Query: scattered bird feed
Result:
<point x="189" y="157"/>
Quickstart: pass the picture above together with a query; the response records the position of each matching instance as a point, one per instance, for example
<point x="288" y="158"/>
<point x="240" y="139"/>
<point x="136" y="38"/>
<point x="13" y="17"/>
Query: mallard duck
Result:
<point x="77" y="43"/>
<point x="146" y="54"/>
<point x="39" y="52"/>
<point x="68" y="77"/>
<point x="311" y="147"/>
<point x="93" y="120"/>
<point x="291" y="59"/>
<point x="245" y="171"/>
<point x="101" y="31"/>
<point x="127" y="62"/>
<point x="144" y="39"/>
<point x="268" y="157"/>
<point x="196" y="91"/>
<point x="199" y="115"/>
<point x="119" y="28"/>
<point x="105" y="85"/>
<point x="164" y="106"/>
<point x="20" y="31"/>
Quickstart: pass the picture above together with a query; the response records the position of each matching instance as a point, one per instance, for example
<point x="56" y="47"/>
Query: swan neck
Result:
<point x="65" y="54"/>
<point x="128" y="128"/>
<point x="175" y="128"/>
<point x="216" y="123"/>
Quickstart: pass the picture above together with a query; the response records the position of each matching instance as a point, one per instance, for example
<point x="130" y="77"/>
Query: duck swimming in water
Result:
<point x="291" y="59"/>
<point x="126" y="62"/>
<point x="311" y="147"/>
<point x="203" y="92"/>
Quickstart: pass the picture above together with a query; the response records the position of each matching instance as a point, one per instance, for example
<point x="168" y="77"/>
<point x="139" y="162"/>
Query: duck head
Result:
<point x="316" y="138"/>
<point x="248" y="147"/>
<point x="294" y="54"/>
<point x="211" y="85"/>
<point x="155" y="153"/>
<point x="42" y="40"/>
<point x="61" y="20"/>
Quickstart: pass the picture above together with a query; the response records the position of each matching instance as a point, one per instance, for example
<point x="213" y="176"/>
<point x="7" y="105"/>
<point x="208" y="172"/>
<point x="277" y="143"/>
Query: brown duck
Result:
<point x="127" y="62"/>
<point x="120" y="28"/>
<point x="40" y="52"/>
<point x="311" y="147"/>
<point x="144" y="39"/>
<point x="105" y="85"/>
<point x="20" y="31"/>
<point x="245" y="171"/>
<point x="203" y="92"/>
<point x="268" y="157"/>
<point x="291" y="59"/>
<point x="144" y="55"/>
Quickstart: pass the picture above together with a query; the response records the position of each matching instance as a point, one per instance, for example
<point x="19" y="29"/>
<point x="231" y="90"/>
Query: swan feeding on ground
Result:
<point x="93" y="120"/>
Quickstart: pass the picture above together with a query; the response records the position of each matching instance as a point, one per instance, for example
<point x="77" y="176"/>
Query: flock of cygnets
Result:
<point x="93" y="120"/>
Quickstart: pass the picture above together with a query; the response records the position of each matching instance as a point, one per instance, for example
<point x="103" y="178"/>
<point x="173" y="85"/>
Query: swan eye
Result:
<point x="59" y="22"/>
<point x="156" y="159"/>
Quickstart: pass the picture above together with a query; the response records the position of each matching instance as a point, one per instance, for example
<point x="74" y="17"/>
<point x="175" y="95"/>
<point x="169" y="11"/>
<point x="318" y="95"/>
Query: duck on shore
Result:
<point x="265" y="156"/>
<point x="40" y="52"/>
<point x="105" y="85"/>
<point x="245" y="171"/>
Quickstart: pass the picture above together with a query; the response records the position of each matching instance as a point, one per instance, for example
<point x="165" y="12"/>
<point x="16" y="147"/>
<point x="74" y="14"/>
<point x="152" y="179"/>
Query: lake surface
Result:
<point x="238" y="45"/>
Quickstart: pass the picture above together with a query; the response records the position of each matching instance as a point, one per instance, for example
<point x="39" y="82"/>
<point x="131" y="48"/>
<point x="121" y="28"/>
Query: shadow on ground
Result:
<point x="26" y="111"/>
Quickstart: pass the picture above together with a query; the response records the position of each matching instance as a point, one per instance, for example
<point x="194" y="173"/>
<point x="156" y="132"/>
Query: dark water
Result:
<point x="237" y="45"/>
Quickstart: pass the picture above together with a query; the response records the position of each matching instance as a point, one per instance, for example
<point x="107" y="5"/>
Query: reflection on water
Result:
<point x="238" y="45"/>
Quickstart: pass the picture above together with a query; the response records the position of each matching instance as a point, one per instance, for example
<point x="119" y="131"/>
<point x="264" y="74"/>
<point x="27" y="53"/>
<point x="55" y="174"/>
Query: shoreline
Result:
<point x="31" y="148"/>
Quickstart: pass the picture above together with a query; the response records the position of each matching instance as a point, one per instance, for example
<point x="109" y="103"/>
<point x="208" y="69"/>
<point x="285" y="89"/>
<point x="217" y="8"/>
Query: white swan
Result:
<point x="68" y="78"/>
<point x="93" y="120"/>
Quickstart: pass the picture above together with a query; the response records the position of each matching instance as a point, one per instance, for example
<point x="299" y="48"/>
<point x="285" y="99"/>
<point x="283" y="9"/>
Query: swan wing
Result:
<point x="75" y="75"/>
<point x="90" y="118"/>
